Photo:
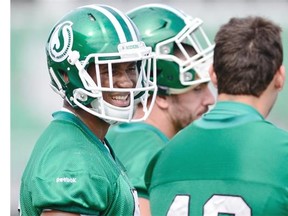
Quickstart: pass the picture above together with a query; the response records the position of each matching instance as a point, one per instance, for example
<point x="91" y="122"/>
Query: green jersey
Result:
<point x="135" y="144"/>
<point x="71" y="170"/>
<point x="229" y="162"/>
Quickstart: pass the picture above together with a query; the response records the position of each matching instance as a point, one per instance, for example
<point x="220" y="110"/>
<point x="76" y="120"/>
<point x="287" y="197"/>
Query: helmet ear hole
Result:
<point x="63" y="76"/>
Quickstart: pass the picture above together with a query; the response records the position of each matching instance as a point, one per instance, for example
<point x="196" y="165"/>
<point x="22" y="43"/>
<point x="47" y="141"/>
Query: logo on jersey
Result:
<point x="61" y="41"/>
<point x="66" y="180"/>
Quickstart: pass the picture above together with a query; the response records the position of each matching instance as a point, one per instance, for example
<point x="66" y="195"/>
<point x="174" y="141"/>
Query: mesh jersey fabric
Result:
<point x="231" y="161"/>
<point x="71" y="170"/>
<point x="135" y="144"/>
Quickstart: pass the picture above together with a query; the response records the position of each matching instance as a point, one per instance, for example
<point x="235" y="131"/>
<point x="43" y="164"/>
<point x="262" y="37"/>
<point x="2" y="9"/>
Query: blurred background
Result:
<point x="32" y="100"/>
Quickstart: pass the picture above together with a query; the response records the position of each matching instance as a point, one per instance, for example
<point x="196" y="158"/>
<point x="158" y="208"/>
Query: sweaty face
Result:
<point x="189" y="106"/>
<point x="119" y="76"/>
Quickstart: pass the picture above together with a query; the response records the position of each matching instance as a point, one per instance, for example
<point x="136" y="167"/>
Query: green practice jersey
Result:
<point x="71" y="170"/>
<point x="229" y="162"/>
<point x="135" y="144"/>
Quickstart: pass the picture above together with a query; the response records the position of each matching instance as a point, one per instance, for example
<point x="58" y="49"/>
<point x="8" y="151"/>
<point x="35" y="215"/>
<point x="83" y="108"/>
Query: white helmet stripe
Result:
<point x="115" y="22"/>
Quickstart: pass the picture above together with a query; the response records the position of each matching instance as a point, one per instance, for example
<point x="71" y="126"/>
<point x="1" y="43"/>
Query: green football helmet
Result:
<point x="183" y="50"/>
<point x="98" y="34"/>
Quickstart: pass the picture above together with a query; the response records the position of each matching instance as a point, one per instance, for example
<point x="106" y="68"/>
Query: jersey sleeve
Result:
<point x="73" y="192"/>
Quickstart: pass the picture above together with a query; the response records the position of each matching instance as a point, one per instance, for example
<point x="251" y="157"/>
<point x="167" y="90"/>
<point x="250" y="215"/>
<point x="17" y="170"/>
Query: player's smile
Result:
<point x="120" y="100"/>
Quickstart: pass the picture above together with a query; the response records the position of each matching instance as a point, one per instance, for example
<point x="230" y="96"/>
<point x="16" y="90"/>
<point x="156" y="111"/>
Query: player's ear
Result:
<point x="213" y="76"/>
<point x="280" y="77"/>
<point x="162" y="101"/>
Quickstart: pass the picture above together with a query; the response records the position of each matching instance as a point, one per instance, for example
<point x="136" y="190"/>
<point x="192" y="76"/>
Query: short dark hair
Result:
<point x="247" y="54"/>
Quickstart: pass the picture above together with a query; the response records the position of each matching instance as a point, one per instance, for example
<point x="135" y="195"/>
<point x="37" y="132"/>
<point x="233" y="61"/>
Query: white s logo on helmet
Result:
<point x="61" y="41"/>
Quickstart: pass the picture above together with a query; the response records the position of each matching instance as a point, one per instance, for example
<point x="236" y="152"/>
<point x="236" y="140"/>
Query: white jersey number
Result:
<point x="216" y="204"/>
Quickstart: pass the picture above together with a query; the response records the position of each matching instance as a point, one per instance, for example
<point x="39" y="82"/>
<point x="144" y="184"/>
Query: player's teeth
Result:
<point x="120" y="97"/>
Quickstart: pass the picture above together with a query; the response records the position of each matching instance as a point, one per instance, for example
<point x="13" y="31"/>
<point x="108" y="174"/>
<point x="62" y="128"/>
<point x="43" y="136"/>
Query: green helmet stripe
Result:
<point x="125" y="23"/>
<point x="114" y="21"/>
<point x="118" y="21"/>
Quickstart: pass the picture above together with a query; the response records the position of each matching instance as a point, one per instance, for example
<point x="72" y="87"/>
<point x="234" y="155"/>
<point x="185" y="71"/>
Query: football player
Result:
<point x="231" y="161"/>
<point x="97" y="64"/>
<point x="183" y="55"/>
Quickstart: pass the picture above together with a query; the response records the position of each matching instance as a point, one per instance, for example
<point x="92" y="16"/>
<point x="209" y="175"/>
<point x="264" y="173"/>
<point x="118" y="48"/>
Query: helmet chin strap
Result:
<point x="117" y="114"/>
<point x="102" y="109"/>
